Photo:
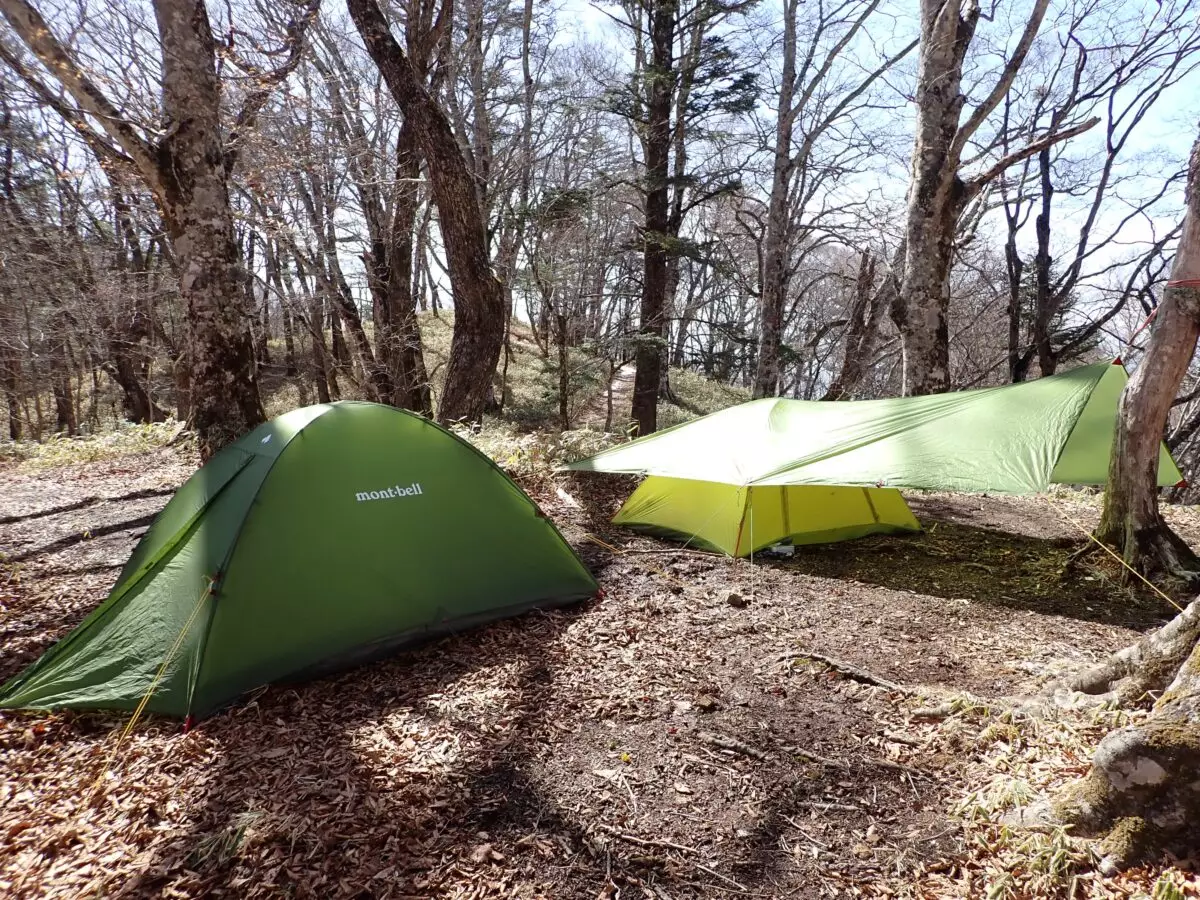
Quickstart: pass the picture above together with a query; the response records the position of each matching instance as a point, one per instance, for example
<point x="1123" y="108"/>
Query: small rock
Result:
<point x="486" y="853"/>
<point x="734" y="599"/>
<point x="705" y="703"/>
<point x="1037" y="816"/>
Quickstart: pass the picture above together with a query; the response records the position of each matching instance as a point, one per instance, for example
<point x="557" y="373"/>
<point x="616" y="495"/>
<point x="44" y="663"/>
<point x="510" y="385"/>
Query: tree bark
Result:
<point x="10" y="377"/>
<point x="651" y="344"/>
<point x="1142" y="789"/>
<point x="401" y="349"/>
<point x="778" y="230"/>
<point x="1130" y="519"/>
<point x="936" y="198"/>
<point x="862" y="331"/>
<point x="187" y="173"/>
<point x="1141" y="793"/>
<point x="937" y="194"/>
<point x="1045" y="305"/>
<point x="478" y="295"/>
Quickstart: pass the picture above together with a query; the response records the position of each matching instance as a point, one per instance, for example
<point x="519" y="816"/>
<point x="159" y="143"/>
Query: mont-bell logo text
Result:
<point x="390" y="493"/>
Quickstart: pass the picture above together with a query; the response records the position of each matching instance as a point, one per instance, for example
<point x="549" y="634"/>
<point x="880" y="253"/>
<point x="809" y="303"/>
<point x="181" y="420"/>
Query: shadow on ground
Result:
<point x="358" y="785"/>
<point x="986" y="561"/>
<point x="991" y="567"/>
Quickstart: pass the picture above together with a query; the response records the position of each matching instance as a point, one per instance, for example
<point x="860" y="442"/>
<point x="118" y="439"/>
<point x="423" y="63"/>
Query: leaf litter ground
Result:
<point x="662" y="742"/>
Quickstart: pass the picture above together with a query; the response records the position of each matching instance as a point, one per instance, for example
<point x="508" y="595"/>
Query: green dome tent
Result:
<point x="747" y="477"/>
<point x="328" y="536"/>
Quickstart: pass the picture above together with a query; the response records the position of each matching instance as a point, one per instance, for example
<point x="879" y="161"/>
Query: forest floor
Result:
<point x="668" y="740"/>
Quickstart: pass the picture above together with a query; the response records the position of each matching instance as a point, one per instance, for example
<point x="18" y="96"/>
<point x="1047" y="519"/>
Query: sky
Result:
<point x="1161" y="142"/>
<point x="1167" y="131"/>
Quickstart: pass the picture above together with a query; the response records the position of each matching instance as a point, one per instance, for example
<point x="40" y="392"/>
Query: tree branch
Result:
<point x="268" y="81"/>
<point x="1001" y="88"/>
<point x="975" y="184"/>
<point x="29" y="25"/>
<point x="100" y="147"/>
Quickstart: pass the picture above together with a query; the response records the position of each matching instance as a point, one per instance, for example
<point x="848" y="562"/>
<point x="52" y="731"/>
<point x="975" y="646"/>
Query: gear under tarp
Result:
<point x="1013" y="439"/>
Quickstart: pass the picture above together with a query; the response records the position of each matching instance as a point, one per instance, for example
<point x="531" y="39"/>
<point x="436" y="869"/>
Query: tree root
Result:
<point x="850" y="670"/>
<point x="1079" y="556"/>
<point x="1153" y="551"/>
<point x="722" y="742"/>
<point x="1148" y="665"/>
<point x="1142" y="793"/>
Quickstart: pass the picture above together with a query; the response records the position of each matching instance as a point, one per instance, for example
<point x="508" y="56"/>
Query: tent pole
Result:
<point x="871" y="505"/>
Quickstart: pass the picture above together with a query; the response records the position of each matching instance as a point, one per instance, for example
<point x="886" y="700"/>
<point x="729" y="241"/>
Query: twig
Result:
<point x="815" y="757"/>
<point x="839" y="807"/>
<point x="1082" y="553"/>
<point x="941" y="711"/>
<point x="632" y="798"/>
<point x="628" y="552"/>
<point x="800" y="829"/>
<point x="644" y="842"/>
<point x="849" y="669"/>
<point x="939" y="835"/>
<point x="727" y="743"/>
<point x="726" y="879"/>
<point x="866" y="760"/>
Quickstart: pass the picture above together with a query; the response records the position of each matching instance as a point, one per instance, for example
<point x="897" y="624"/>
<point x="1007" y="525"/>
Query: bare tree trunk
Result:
<point x="936" y="197"/>
<point x="10" y="377"/>
<point x="289" y="344"/>
<point x="187" y="171"/>
<point x="515" y="228"/>
<point x="778" y="230"/>
<point x="937" y="194"/>
<point x="862" y="331"/>
<point x="564" y="372"/>
<point x="1045" y="306"/>
<point x="136" y="401"/>
<point x="405" y="360"/>
<point x="1018" y="362"/>
<point x="324" y="370"/>
<point x="652" y="329"/>
<point x="1130" y="519"/>
<point x="478" y="295"/>
<point x="224" y="387"/>
<point x="1142" y="787"/>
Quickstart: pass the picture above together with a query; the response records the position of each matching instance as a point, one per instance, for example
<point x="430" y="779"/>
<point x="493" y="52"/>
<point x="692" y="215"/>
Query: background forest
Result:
<point x="721" y="187"/>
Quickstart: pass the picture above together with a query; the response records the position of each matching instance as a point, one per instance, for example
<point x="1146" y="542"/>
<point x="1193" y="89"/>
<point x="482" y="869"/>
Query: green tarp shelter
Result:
<point x="328" y="536"/>
<point x="744" y="478"/>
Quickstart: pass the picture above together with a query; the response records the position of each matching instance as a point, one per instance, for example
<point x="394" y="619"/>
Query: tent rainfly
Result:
<point x="772" y="470"/>
<point x="319" y="540"/>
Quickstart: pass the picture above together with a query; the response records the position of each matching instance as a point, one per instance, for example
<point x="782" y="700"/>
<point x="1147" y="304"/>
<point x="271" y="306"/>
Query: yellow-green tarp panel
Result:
<point x="1084" y="458"/>
<point x="1018" y="438"/>
<point x="742" y="520"/>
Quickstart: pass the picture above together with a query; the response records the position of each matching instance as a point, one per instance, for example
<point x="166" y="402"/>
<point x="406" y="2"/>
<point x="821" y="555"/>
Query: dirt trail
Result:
<point x="595" y="414"/>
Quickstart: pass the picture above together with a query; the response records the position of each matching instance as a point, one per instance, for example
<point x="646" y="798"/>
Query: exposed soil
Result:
<point x="651" y="743"/>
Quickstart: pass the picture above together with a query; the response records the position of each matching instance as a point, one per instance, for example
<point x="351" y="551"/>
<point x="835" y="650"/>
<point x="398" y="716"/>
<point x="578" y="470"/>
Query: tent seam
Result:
<point x="219" y="579"/>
